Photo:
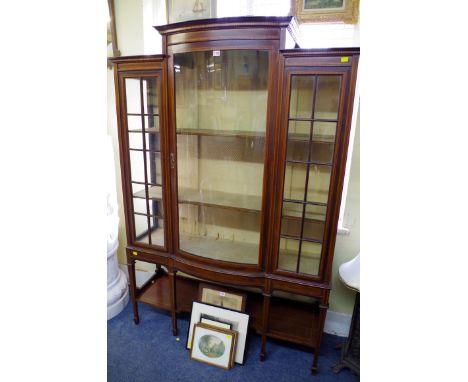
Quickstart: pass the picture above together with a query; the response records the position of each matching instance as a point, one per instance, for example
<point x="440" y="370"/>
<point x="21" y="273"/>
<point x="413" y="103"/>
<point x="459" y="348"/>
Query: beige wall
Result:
<point x="129" y="21"/>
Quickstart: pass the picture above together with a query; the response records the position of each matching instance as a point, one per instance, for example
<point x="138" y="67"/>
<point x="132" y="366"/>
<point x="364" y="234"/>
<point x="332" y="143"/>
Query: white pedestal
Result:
<point x="117" y="287"/>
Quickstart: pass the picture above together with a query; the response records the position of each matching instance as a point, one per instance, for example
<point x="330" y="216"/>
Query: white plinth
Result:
<point x="117" y="287"/>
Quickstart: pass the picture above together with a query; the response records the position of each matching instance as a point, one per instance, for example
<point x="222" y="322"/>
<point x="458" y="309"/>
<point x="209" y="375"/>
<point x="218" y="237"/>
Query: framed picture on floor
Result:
<point x="223" y="297"/>
<point x="213" y="321"/>
<point x="238" y="320"/>
<point x="214" y="346"/>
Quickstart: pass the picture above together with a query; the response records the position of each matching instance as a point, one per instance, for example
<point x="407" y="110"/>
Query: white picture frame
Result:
<point x="239" y="321"/>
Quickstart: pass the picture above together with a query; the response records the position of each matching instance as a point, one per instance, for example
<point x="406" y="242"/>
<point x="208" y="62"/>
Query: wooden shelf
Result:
<point x="224" y="133"/>
<point x="254" y="134"/>
<point x="287" y="318"/>
<point x="251" y="203"/>
<point x="152" y="130"/>
<point x="220" y="249"/>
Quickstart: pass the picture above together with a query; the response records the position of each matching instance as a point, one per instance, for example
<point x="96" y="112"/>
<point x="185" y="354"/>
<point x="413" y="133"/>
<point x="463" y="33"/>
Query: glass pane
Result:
<point x="141" y="228"/>
<point x="328" y="97"/>
<point x="316" y="212"/>
<point x="151" y="123"/>
<point x="139" y="206"/>
<point x="156" y="208"/>
<point x="319" y="183"/>
<point x="134" y="122"/>
<point x="135" y="141"/>
<point x="324" y="131"/>
<point x="155" y="192"/>
<point x="294" y="181"/>
<point x="153" y="142"/>
<point x="299" y="130"/>
<point x="157" y="231"/>
<point x="221" y="101"/>
<point x="292" y="209"/>
<point x="138" y="190"/>
<point x="301" y="98"/>
<point x="288" y="254"/>
<point x="219" y="233"/>
<point x="322" y="152"/>
<point x="150" y="95"/>
<point x="137" y="167"/>
<point x="310" y="258"/>
<point x="291" y="226"/>
<point x="153" y="160"/>
<point x="313" y="229"/>
<point x="132" y="93"/>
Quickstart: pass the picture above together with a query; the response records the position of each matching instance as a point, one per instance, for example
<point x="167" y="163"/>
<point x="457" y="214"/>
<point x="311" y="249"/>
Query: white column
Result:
<point x="117" y="287"/>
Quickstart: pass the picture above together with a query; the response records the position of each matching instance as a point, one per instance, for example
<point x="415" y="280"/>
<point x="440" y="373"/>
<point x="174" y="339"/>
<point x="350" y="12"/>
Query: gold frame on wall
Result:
<point x="348" y="13"/>
<point x="112" y="34"/>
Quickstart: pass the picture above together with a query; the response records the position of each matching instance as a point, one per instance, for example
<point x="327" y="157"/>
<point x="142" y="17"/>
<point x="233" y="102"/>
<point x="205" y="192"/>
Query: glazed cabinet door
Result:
<point x="313" y="127"/>
<point x="221" y="99"/>
<point x="142" y="142"/>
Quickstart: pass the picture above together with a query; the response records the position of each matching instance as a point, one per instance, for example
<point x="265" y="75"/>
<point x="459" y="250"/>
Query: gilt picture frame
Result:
<point x="326" y="11"/>
<point x="239" y="321"/>
<point x="213" y="345"/>
<point x="223" y="297"/>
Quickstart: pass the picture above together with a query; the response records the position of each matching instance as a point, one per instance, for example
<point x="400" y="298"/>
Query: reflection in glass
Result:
<point x="328" y="97"/>
<point x="151" y="123"/>
<point x="134" y="123"/>
<point x="139" y="206"/>
<point x="153" y="160"/>
<point x="221" y="102"/>
<point x="319" y="183"/>
<point x="141" y="228"/>
<point x="157" y="231"/>
<point x="302" y="91"/>
<point x="150" y="95"/>
<point x="310" y="258"/>
<point x="145" y="159"/>
<point x="288" y="254"/>
<point x="137" y="166"/>
<point x="294" y="181"/>
<point x="132" y="95"/>
<point x="309" y="160"/>
<point x="324" y="131"/>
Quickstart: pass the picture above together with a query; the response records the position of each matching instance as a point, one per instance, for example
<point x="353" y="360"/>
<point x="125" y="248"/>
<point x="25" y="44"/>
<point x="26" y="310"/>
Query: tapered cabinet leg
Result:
<point x="265" y="320"/>
<point x="322" y="316"/>
<point x="132" y="280"/>
<point x="172" y="276"/>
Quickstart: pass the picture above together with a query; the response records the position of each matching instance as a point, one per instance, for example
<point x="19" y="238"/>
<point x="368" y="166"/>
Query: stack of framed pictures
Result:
<point x="217" y="334"/>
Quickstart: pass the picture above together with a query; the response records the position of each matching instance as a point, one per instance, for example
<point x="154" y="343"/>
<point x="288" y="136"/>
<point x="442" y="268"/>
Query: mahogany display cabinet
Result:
<point x="233" y="145"/>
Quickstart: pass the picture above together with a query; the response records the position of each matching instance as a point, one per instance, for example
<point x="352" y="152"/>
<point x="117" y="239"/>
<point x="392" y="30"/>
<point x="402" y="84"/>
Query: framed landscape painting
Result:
<point x="316" y="11"/>
<point x="213" y="345"/>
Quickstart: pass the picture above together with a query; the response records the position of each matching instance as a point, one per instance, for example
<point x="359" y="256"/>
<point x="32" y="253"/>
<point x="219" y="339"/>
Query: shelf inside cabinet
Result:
<point x="224" y="133"/>
<point x="210" y="198"/>
<point x="324" y="139"/>
<point x="220" y="249"/>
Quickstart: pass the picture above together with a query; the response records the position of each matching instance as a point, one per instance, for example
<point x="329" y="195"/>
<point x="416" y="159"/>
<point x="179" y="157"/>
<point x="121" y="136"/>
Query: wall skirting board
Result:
<point x="336" y="323"/>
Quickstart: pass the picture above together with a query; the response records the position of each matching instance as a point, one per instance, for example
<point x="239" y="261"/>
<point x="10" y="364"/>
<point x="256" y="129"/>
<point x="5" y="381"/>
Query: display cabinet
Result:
<point x="233" y="146"/>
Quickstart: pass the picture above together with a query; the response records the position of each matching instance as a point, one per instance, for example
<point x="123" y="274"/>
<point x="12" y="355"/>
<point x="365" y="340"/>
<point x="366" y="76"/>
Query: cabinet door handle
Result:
<point x="172" y="160"/>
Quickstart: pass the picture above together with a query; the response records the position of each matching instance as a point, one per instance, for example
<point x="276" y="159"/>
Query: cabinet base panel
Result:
<point x="291" y="321"/>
